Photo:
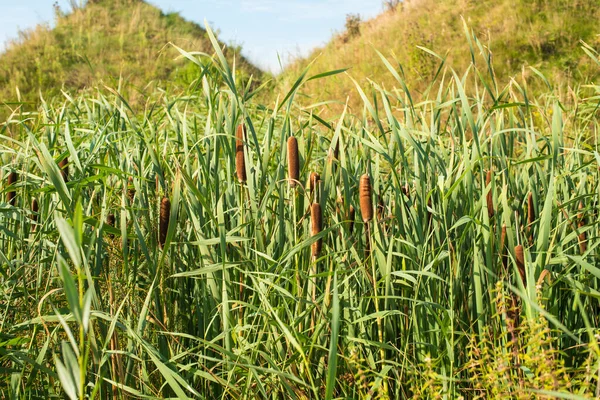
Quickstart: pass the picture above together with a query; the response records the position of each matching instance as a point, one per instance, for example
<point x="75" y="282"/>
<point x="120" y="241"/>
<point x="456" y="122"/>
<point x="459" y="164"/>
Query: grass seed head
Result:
<point x="11" y="196"/>
<point x="293" y="161"/>
<point x="240" y="160"/>
<point x="364" y="194"/>
<point x="64" y="168"/>
<point x="165" y="213"/>
<point x="317" y="225"/>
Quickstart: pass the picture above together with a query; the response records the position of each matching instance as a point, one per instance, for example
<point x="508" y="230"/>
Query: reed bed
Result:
<point x="236" y="298"/>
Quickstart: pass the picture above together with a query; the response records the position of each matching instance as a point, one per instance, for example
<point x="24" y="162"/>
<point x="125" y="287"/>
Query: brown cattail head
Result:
<point x="64" y="168"/>
<point x="10" y="196"/>
<point x="520" y="259"/>
<point x="581" y="224"/>
<point x="165" y="213"/>
<point x="490" y="195"/>
<point x="130" y="188"/>
<point x="317" y="225"/>
<point x="293" y="161"/>
<point x="351" y="217"/>
<point x="240" y="160"/>
<point x="503" y="254"/>
<point x="364" y="194"/>
<point x="313" y="181"/>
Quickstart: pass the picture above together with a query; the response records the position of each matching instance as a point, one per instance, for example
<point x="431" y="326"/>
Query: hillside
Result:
<point x="100" y="42"/>
<point x="545" y="34"/>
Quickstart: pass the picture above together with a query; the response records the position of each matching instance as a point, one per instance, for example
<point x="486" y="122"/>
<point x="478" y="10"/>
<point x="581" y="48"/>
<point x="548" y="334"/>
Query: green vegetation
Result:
<point x="154" y="267"/>
<point x="520" y="34"/>
<point x="118" y="43"/>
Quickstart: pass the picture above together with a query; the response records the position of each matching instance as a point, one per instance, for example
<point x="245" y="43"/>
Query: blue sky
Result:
<point x="263" y="27"/>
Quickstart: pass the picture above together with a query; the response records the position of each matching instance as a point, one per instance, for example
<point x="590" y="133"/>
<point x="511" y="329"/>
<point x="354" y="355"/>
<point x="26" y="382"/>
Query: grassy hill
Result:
<point x="544" y="34"/>
<point x="99" y="43"/>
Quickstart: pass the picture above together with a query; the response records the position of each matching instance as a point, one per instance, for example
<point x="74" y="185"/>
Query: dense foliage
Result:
<point x="149" y="265"/>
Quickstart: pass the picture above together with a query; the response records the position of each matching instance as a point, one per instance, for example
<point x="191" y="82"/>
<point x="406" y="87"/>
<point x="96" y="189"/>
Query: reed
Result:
<point x="503" y="252"/>
<point x="240" y="158"/>
<point x="165" y="213"/>
<point x="293" y="161"/>
<point x="12" y="194"/>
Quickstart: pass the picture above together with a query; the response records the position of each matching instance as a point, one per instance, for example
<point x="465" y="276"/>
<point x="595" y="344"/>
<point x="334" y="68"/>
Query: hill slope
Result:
<point x="544" y="34"/>
<point x="99" y="43"/>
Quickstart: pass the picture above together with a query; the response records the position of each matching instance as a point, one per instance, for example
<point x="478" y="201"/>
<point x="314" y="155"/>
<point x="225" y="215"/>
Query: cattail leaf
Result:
<point x="70" y="290"/>
<point x="52" y="171"/>
<point x="333" y="343"/>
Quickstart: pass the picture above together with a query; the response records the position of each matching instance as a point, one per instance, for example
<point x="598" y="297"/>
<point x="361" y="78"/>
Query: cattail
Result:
<point x="130" y="188"/>
<point x="364" y="194"/>
<point x="317" y="226"/>
<point x="351" y="217"/>
<point x="64" y="168"/>
<point x="490" y="195"/>
<point x="165" y="213"/>
<point x="520" y="258"/>
<point x="240" y="160"/>
<point x="110" y="221"/>
<point x="581" y="224"/>
<point x="313" y="181"/>
<point x="11" y="196"/>
<point x="503" y="255"/>
<point x="293" y="162"/>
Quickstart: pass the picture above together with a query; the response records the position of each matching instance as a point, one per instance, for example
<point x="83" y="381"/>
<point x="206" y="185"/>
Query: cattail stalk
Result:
<point x="240" y="159"/>
<point x="293" y="161"/>
<point x="11" y="196"/>
<point x="165" y="213"/>
<point x="64" y="168"/>
<point x="490" y="195"/>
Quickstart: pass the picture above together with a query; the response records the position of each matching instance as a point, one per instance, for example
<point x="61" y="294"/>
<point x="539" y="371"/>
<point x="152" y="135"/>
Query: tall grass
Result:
<point x="237" y="291"/>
